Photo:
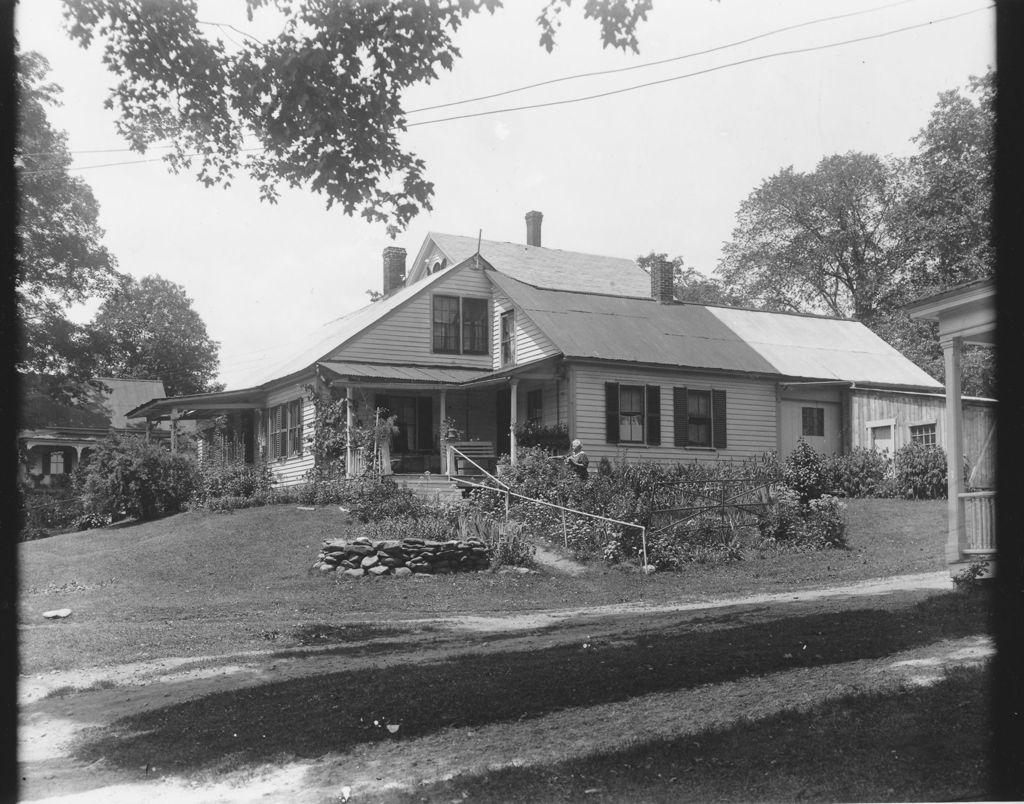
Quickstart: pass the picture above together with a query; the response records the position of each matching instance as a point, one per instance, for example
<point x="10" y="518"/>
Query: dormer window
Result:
<point x="460" y="325"/>
<point x="437" y="265"/>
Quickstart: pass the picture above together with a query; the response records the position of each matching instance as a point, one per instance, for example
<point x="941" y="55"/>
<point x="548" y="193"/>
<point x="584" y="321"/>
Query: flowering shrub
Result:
<point x="861" y="473"/>
<point x="920" y="472"/>
<point x="128" y="475"/>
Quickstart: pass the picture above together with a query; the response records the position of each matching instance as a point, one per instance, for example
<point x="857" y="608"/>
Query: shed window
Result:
<point x="813" y="421"/>
<point x="923" y="434"/>
<point x="460" y="325"/>
<point x="56" y="463"/>
<point x="632" y="413"/>
<point x="699" y="418"/>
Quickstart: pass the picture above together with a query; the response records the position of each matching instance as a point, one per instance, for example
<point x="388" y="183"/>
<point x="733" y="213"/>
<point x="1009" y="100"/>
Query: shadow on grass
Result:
<point x="324" y="634"/>
<point x="313" y="716"/>
<point x="923" y="744"/>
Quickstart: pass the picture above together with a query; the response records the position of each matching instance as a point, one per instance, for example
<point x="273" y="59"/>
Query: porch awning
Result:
<point x="382" y="372"/>
<point x="200" y="406"/>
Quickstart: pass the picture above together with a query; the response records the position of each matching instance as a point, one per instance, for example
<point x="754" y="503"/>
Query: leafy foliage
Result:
<point x="806" y="472"/>
<point x="148" y="329"/>
<point x="219" y="480"/>
<point x="862" y="472"/>
<point x="127" y="475"/>
<point x="920" y="472"/>
<point x="61" y="260"/>
<point x="322" y="98"/>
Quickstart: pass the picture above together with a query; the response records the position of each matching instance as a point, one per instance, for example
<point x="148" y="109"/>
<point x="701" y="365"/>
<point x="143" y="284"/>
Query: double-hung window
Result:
<point x="699" y="418"/>
<point x="632" y="413"/>
<point x="284" y="430"/>
<point x="459" y="325"/>
<point x="508" y="337"/>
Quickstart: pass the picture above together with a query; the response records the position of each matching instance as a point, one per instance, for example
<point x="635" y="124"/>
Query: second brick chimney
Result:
<point x="394" y="269"/>
<point x="533" y="221"/>
<point x="662" y="289"/>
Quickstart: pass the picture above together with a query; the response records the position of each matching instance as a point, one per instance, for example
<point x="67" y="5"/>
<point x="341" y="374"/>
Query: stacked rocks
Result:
<point x="364" y="557"/>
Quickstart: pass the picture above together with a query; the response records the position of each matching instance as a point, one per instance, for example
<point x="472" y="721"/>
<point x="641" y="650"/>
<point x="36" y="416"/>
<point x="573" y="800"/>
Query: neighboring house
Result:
<point x="55" y="437"/>
<point x="489" y="334"/>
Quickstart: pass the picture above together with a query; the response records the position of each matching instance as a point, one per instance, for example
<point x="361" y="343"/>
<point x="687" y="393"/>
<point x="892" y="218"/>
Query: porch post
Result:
<point x="951" y="350"/>
<point x="175" y="415"/>
<point x="349" y="424"/>
<point x="513" y="416"/>
<point x="441" y="441"/>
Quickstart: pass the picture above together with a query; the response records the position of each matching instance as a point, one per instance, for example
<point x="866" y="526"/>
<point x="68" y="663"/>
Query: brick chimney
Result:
<point x="662" y="289"/>
<point x="394" y="269"/>
<point x="533" y="220"/>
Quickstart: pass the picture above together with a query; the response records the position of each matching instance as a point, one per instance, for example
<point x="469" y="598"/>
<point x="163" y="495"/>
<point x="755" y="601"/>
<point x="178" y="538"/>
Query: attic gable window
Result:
<point x="459" y="325"/>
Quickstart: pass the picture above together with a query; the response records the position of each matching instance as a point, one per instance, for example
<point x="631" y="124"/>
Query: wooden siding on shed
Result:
<point x="751" y="416"/>
<point x="907" y="410"/>
<point x="405" y="336"/>
<point x="531" y="343"/>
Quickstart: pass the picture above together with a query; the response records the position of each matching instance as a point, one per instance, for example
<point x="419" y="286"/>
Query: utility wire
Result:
<point x="751" y="60"/>
<point x="580" y="99"/>
<point x="660" y="61"/>
<point x="555" y="80"/>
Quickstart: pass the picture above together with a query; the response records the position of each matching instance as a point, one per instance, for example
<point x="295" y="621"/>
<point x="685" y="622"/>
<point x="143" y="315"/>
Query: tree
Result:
<point x="949" y="207"/>
<point x="689" y="285"/>
<point x="828" y="241"/>
<point x="148" y="329"/>
<point x="61" y="260"/>
<point x="322" y="98"/>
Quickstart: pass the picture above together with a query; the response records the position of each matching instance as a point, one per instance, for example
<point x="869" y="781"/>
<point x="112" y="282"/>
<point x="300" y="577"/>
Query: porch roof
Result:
<point x="384" y="372"/>
<point x="200" y="406"/>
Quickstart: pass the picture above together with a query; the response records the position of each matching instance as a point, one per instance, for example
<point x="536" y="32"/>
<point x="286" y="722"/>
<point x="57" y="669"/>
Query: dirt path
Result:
<point x="50" y="724"/>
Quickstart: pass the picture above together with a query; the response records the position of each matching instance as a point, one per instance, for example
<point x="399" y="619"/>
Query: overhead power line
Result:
<point x="608" y="93"/>
<point x="659" y="62"/>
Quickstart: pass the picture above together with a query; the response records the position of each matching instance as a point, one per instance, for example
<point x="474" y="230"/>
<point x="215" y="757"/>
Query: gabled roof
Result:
<point x="328" y="338"/>
<point x="99" y="409"/>
<point x="551" y="268"/>
<point x="715" y="338"/>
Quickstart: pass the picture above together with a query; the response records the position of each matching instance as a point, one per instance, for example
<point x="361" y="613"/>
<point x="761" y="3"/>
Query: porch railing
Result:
<point x="979" y="522"/>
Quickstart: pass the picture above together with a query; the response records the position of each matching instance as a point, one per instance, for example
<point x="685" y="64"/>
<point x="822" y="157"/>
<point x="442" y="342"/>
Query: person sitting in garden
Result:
<point x="578" y="460"/>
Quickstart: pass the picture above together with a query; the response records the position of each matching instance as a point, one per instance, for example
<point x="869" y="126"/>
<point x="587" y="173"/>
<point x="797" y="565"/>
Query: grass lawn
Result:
<point x="198" y="584"/>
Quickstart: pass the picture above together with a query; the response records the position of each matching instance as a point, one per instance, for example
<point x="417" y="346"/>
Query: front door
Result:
<point x="503" y="421"/>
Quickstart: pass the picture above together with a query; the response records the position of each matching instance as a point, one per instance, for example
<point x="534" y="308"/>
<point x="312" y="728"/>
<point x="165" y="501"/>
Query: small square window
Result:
<point x="923" y="434"/>
<point x="813" y="421"/>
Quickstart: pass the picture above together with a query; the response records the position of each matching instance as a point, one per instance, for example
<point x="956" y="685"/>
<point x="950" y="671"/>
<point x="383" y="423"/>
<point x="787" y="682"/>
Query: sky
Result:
<point x="659" y="168"/>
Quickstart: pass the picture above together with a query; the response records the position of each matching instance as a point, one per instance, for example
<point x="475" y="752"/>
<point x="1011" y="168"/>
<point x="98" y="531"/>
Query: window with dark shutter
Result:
<point x="718" y="419"/>
<point x="680" y="417"/>
<point x="698" y="404"/>
<point x="631" y="414"/>
<point x="653" y="394"/>
<point x="611" y="412"/>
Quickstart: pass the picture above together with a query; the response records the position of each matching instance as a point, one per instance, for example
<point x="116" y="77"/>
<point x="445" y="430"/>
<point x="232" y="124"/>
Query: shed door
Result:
<point x="817" y="423"/>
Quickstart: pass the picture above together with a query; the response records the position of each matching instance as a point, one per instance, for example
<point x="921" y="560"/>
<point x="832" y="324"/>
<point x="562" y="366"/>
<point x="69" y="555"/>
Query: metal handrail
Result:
<point x="508" y="492"/>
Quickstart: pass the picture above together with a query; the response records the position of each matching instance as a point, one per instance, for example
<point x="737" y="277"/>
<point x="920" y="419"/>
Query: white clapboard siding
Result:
<point x="290" y="471"/>
<point x="750" y="411"/>
<point x="553" y="407"/>
<point x="405" y="335"/>
<point x="531" y="343"/>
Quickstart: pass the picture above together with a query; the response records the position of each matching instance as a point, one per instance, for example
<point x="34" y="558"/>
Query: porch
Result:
<point x="966" y="315"/>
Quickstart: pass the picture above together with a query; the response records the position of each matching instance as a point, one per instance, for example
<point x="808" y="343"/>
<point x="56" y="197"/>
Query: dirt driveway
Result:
<point x="50" y="723"/>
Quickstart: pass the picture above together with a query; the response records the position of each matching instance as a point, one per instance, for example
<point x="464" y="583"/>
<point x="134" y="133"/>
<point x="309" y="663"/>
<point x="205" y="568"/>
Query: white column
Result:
<point x="514" y="416"/>
<point x="349" y="424"/>
<point x="441" y="429"/>
<point x="955" y="542"/>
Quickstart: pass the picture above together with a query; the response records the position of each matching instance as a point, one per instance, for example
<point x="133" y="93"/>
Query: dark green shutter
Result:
<point x="653" y="430"/>
<point x="611" y="412"/>
<point x="681" y="417"/>
<point x="718" y="439"/>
